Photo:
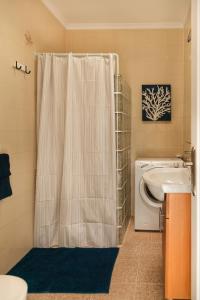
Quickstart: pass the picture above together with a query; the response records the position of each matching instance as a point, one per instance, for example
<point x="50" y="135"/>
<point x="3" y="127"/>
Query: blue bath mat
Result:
<point x="67" y="270"/>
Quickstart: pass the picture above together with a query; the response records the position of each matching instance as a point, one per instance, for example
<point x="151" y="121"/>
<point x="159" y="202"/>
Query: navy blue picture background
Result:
<point x="167" y="115"/>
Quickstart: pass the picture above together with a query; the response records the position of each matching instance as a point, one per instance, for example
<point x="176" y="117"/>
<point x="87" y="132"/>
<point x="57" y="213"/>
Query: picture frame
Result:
<point x="156" y="102"/>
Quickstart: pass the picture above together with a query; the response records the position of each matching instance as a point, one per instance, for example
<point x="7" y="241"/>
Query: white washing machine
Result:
<point x="147" y="208"/>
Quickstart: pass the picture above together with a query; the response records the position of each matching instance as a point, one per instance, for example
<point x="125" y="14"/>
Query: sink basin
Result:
<point x="167" y="180"/>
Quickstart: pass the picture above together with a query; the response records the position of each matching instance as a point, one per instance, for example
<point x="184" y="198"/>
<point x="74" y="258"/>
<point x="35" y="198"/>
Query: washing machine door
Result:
<point x="146" y="195"/>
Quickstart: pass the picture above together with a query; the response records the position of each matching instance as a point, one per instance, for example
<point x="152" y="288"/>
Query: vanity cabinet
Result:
<point x="177" y="246"/>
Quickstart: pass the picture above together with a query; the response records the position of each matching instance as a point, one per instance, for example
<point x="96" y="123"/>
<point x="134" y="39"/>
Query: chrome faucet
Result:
<point x="189" y="162"/>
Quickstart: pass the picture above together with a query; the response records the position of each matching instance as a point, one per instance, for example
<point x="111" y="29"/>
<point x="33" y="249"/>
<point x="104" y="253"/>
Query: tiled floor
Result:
<point x="137" y="273"/>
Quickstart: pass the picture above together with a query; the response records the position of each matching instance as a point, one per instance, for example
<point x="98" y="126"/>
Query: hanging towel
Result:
<point x="5" y="188"/>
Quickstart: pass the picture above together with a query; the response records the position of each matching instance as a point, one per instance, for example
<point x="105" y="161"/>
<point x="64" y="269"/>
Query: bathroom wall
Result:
<point x="146" y="57"/>
<point x="187" y="84"/>
<point x="17" y="116"/>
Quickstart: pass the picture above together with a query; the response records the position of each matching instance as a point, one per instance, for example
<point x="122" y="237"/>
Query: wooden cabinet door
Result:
<point x="178" y="246"/>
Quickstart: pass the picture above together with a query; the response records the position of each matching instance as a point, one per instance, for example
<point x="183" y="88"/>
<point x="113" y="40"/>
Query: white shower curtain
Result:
<point x="76" y="164"/>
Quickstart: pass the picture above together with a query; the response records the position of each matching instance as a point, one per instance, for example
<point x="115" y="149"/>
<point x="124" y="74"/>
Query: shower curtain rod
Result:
<point x="78" y="54"/>
<point x="115" y="55"/>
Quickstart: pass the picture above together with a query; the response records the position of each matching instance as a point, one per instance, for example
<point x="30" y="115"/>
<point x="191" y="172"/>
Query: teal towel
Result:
<point x="5" y="188"/>
<point x="4" y="166"/>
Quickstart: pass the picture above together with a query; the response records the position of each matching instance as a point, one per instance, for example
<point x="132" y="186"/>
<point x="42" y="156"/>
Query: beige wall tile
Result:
<point x="18" y="116"/>
<point x="16" y="238"/>
<point x="17" y="206"/>
<point x="146" y="56"/>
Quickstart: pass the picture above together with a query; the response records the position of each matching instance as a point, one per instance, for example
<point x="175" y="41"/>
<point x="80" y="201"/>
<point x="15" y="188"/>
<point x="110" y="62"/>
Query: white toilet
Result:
<point x="12" y="288"/>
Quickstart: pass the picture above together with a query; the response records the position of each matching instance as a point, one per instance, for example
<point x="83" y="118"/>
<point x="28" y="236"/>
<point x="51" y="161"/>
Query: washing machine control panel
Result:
<point x="159" y="163"/>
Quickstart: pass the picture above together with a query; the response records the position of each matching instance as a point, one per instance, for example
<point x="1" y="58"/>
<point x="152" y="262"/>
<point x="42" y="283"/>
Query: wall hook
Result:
<point x="18" y="67"/>
<point x="22" y="67"/>
<point x="26" y="70"/>
<point x="189" y="37"/>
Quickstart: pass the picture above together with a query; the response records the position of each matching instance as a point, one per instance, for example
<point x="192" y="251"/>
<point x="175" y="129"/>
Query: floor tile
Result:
<point x="150" y="270"/>
<point x="149" y="292"/>
<point x="118" y="292"/>
<point x="125" y="271"/>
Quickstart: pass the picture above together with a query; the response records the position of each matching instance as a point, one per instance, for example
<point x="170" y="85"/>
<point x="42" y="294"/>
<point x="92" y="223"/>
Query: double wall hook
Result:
<point x="23" y="68"/>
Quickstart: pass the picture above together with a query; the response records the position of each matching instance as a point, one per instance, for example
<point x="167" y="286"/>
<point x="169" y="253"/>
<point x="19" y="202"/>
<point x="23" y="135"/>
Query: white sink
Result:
<point x="167" y="180"/>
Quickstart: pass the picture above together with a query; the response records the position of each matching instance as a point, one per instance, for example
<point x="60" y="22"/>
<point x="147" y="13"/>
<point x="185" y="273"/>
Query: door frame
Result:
<point x="195" y="117"/>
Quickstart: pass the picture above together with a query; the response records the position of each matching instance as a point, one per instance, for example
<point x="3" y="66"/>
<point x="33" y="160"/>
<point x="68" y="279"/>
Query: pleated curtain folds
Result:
<point x="76" y="156"/>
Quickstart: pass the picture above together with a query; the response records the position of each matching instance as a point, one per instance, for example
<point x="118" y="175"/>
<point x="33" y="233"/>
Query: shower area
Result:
<point x="83" y="196"/>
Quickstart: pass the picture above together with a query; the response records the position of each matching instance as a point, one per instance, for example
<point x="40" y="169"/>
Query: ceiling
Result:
<point x="90" y="14"/>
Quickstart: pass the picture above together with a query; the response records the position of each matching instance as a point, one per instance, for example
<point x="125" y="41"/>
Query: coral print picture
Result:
<point x="156" y="102"/>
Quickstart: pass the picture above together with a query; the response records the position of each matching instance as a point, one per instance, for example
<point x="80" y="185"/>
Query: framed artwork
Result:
<point x="156" y="102"/>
